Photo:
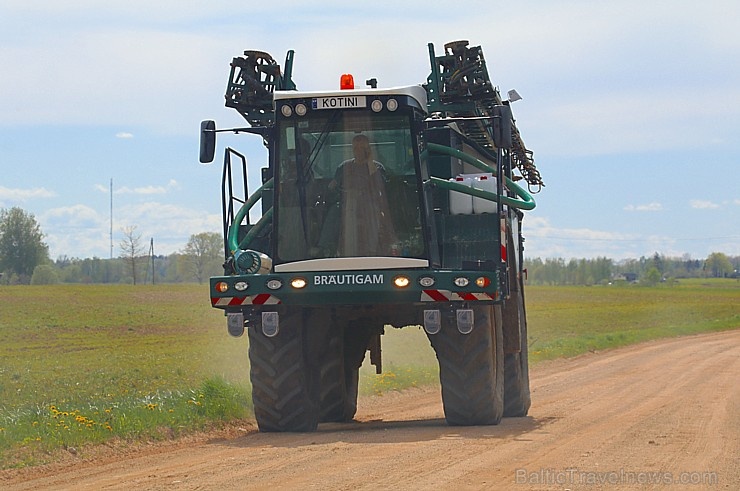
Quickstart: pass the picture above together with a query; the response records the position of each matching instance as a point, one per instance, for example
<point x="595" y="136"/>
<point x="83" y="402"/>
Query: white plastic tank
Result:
<point x="486" y="182"/>
<point x="461" y="203"/>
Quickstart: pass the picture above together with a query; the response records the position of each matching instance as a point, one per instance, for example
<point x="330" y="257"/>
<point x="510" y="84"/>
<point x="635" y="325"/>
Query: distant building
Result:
<point x="628" y="277"/>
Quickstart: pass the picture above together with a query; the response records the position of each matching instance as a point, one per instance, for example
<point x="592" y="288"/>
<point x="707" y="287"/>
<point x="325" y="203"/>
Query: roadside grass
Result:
<point x="88" y="364"/>
<point x="567" y="321"/>
<point x="84" y="364"/>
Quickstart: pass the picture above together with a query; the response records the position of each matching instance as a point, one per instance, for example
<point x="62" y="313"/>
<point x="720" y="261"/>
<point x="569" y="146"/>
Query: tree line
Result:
<point x="24" y="259"/>
<point x="646" y="270"/>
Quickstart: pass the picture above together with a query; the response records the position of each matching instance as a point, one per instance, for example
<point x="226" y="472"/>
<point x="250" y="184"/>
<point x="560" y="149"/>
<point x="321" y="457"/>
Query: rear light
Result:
<point x="482" y="282"/>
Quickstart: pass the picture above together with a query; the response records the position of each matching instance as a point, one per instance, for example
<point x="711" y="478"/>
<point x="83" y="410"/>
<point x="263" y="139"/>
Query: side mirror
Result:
<point x="502" y="126"/>
<point x="207" y="141"/>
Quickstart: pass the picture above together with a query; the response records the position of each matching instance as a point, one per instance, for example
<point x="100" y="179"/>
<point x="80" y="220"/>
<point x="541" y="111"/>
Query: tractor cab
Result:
<point x="348" y="180"/>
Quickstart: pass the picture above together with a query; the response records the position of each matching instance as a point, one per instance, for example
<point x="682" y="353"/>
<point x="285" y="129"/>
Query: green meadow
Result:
<point x="91" y="364"/>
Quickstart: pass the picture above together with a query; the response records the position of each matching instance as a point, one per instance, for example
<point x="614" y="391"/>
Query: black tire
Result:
<point x="340" y="372"/>
<point x="284" y="384"/>
<point x="471" y="369"/>
<point x="333" y="387"/>
<point x="517" y="399"/>
<point x="341" y="408"/>
<point x="352" y="385"/>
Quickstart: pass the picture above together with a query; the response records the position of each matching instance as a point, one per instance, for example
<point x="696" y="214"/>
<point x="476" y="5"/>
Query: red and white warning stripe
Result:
<point x="261" y="299"/>
<point x="448" y="296"/>
<point x="503" y="239"/>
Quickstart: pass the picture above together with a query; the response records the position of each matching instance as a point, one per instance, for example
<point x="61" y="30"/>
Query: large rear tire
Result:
<point x="334" y="396"/>
<point x="284" y="377"/>
<point x="471" y="369"/>
<point x="340" y="372"/>
<point x="517" y="398"/>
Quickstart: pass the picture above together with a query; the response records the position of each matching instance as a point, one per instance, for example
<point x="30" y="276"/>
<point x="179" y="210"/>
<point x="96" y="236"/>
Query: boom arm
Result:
<point x="252" y="81"/>
<point x="459" y="87"/>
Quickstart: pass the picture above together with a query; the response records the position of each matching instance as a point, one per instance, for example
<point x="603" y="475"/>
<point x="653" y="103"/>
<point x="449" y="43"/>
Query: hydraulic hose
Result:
<point x="525" y="203"/>
<point x="233" y="238"/>
<point x="256" y="229"/>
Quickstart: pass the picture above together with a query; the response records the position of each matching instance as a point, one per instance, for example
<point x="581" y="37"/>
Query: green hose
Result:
<point x="233" y="241"/>
<point x="256" y="229"/>
<point x="525" y="203"/>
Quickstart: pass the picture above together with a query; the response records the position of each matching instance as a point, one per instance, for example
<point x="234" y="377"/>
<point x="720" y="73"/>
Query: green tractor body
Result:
<point x="379" y="207"/>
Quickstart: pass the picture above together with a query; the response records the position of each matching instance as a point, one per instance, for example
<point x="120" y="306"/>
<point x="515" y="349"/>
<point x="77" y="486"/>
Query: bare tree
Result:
<point x="131" y="249"/>
<point x="204" y="251"/>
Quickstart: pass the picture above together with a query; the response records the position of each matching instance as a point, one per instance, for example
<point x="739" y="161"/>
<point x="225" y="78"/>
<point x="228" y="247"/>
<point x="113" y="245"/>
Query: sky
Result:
<point x="632" y="109"/>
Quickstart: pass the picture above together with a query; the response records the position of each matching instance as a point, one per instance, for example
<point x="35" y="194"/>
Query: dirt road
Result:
<point x="661" y="415"/>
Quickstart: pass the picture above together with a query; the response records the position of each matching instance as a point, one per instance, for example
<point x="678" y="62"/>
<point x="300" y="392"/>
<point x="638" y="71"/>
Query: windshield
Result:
<point x="347" y="187"/>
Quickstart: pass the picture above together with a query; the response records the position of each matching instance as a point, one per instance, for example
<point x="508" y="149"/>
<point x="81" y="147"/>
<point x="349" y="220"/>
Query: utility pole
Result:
<point x="110" y="262"/>
<point x="111" y="218"/>
<point x="151" y="255"/>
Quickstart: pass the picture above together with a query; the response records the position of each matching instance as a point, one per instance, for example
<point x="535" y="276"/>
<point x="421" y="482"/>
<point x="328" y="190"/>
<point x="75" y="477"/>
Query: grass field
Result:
<point x="86" y="364"/>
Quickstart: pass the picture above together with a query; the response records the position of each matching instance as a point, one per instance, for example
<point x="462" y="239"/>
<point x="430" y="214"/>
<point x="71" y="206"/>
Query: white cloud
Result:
<point x="172" y="184"/>
<point x="166" y="73"/>
<point x="141" y="190"/>
<point x="75" y="216"/>
<point x="546" y="240"/>
<point x="17" y="195"/>
<point x="76" y="231"/>
<point x="654" y="206"/>
<point x="81" y="231"/>
<point x="169" y="225"/>
<point x="124" y="135"/>
<point x="703" y="204"/>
